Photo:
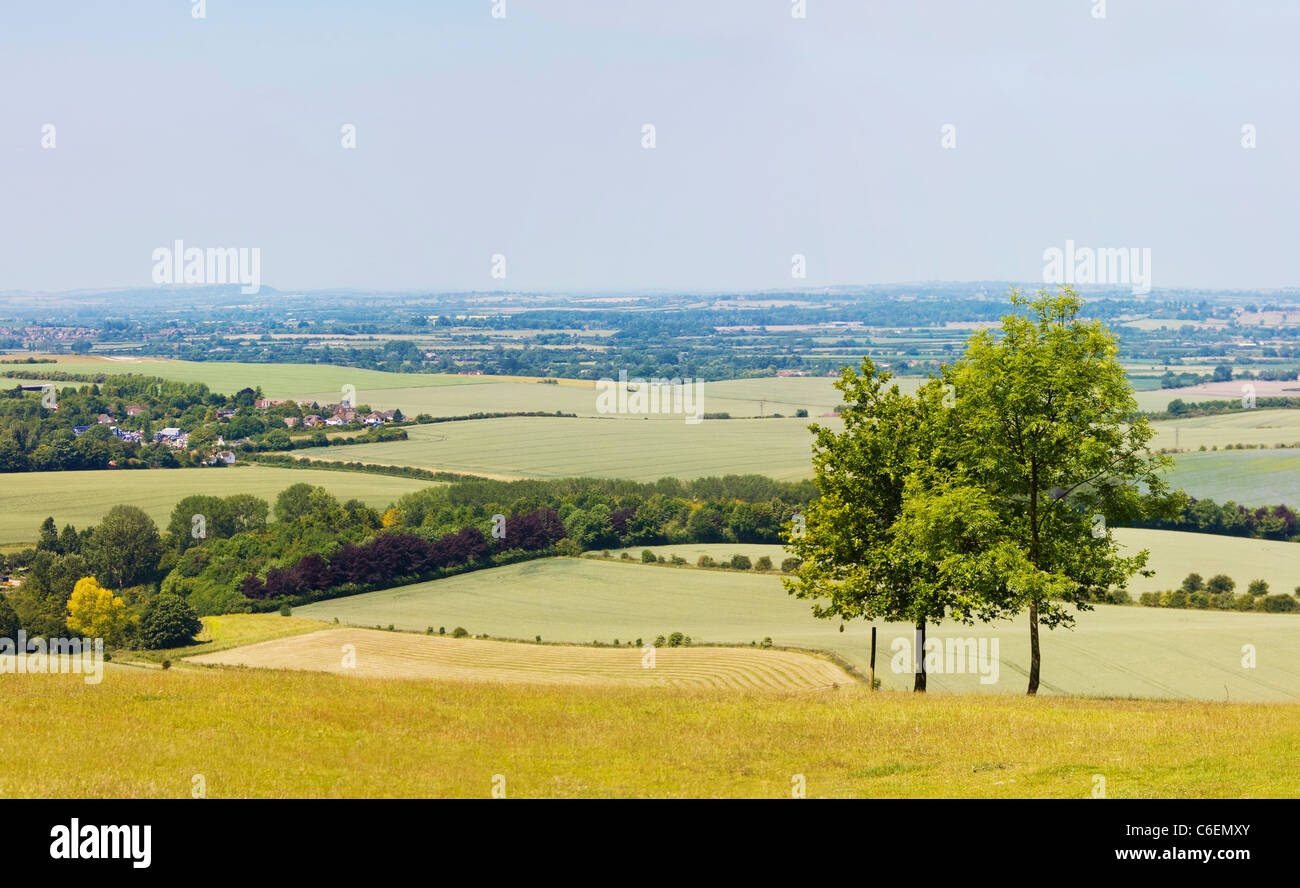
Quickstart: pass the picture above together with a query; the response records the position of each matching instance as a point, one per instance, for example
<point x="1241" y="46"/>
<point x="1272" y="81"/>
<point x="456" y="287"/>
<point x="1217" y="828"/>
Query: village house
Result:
<point x="134" y="410"/>
<point x="105" y="419"/>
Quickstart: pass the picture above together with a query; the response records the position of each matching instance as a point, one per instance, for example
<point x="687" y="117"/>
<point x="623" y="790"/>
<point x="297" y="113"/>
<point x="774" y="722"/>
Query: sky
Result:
<point x="523" y="137"/>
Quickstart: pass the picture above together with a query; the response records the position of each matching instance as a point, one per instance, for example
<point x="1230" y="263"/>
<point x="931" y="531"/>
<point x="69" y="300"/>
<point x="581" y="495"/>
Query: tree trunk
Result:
<point x="1033" y="648"/>
<point x="918" y="682"/>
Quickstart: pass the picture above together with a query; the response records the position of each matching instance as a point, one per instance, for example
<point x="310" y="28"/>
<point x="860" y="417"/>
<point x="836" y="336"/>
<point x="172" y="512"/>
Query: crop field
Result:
<point x="82" y="498"/>
<point x="1249" y="477"/>
<point x="740" y="398"/>
<point x="1266" y="427"/>
<point x="641" y="450"/>
<point x="1114" y="651"/>
<point x="145" y="733"/>
<point x="1174" y="555"/>
<point x="403" y="655"/>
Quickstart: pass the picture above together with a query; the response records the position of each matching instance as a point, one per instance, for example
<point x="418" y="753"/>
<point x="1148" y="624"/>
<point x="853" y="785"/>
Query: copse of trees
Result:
<point x="974" y="499"/>
<point x="1217" y="594"/>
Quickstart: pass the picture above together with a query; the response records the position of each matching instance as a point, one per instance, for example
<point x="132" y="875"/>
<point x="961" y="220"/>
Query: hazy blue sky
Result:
<point x="523" y="137"/>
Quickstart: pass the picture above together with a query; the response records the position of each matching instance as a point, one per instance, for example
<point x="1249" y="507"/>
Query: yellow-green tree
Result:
<point x="96" y="612"/>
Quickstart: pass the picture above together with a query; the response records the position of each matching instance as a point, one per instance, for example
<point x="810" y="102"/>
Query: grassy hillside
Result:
<point x="146" y="733"/>
<point x="1267" y="427"/>
<point x="1115" y="651"/>
<point x="1249" y="477"/>
<point x="82" y="498"/>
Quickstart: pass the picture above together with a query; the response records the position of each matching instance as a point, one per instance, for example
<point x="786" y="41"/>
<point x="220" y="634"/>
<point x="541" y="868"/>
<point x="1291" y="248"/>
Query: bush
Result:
<point x="1118" y="596"/>
<point x="1279" y="604"/>
<point x="801" y="413"/>
<point x="677" y="559"/>
<point x="167" y="622"/>
<point x="706" y="561"/>
<point x="790" y="565"/>
<point x="1176" y="598"/>
<point x="1193" y="583"/>
<point x="1149" y="599"/>
<point x="1199" y="600"/>
<point x="626" y="556"/>
<point x="1244" y="602"/>
<point x="767" y="641"/>
<point x="285" y="610"/>
<point x="1220" y="583"/>
<point x="740" y="562"/>
<point x="1257" y="588"/>
<point x="459" y="632"/>
<point x="676" y="639"/>
<point x="659" y="641"/>
<point x="442" y="630"/>
<point x="647" y="557"/>
<point x="763" y="563"/>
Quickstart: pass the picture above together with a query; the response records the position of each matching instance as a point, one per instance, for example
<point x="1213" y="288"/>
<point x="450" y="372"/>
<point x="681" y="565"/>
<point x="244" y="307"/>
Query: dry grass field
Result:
<point x="379" y="654"/>
<point x="146" y="733"/>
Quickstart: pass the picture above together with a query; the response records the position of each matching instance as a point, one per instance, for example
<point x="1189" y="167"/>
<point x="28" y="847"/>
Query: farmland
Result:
<point x="1114" y="651"/>
<point x="1249" y="477"/>
<point x="638" y="449"/>
<point x="82" y="498"/>
<point x="378" y="654"/>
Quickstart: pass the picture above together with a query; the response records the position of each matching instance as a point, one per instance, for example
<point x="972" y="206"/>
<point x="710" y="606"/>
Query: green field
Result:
<point x="82" y="498"/>
<point x="642" y="450"/>
<point x="147" y="733"/>
<point x="1115" y="651"/>
<point x="1249" y="477"/>
<point x="1266" y="427"/>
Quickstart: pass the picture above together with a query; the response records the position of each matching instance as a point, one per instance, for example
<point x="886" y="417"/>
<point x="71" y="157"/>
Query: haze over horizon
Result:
<point x="523" y="137"/>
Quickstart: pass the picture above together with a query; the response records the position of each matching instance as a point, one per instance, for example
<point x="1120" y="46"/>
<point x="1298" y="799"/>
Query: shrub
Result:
<point x="677" y="559"/>
<point x="659" y="641"/>
<point x="1279" y="604"/>
<point x="1220" y="583"/>
<point x="167" y="664"/>
<point x="459" y="632"/>
<point x="740" y="562"/>
<point x="790" y="565"/>
<point x="442" y="630"/>
<point x="1118" y="596"/>
<point x="1193" y="583"/>
<point x="285" y="610"/>
<point x="763" y="563"/>
<point x="676" y="639"/>
<point x="1244" y="602"/>
<point x="801" y="413"/>
<point x="626" y="556"/>
<point x="1199" y="600"/>
<point x="706" y="561"/>
<point x="767" y="641"/>
<point x="647" y="557"/>
<point x="538" y="639"/>
<point x="167" y="622"/>
<point x="1149" y="599"/>
<point x="1257" y="587"/>
<point x="1176" y="598"/>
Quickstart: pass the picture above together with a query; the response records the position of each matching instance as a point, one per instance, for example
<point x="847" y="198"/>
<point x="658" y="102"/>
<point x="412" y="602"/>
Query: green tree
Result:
<point x="869" y="546"/>
<point x="1048" y="428"/>
<point x="1220" y="583"/>
<point x="1193" y="583"/>
<point x="125" y="547"/>
<point x="48" y="540"/>
<point x="168" y="621"/>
